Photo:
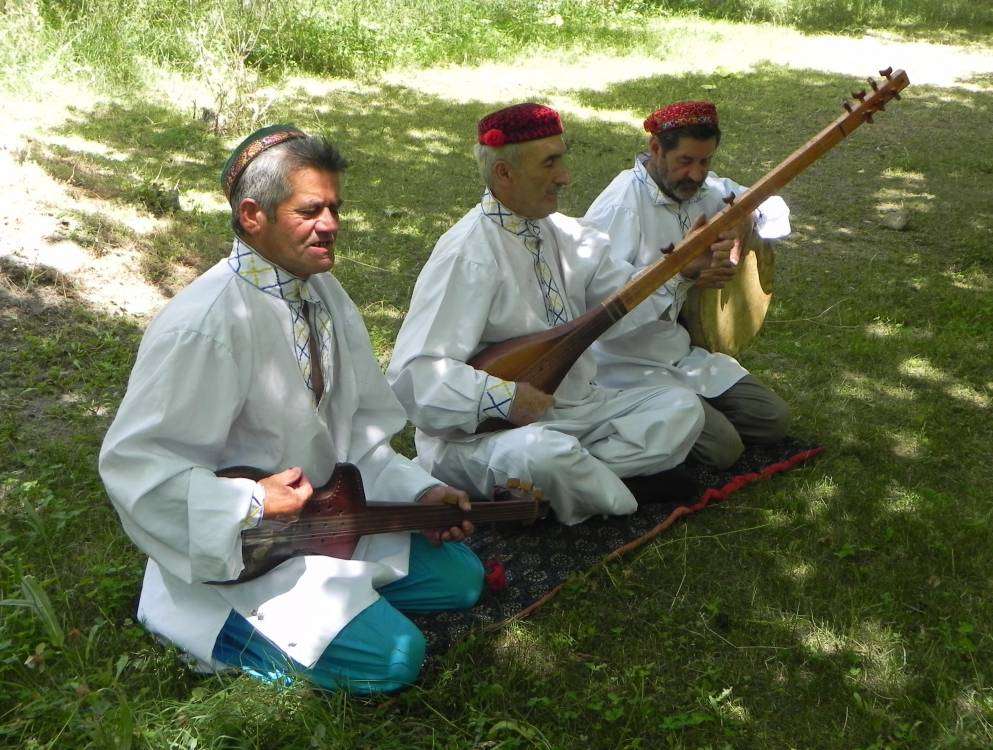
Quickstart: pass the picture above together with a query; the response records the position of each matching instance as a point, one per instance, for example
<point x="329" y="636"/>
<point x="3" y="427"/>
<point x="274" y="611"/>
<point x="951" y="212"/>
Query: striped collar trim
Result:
<point x="500" y="214"/>
<point x="267" y="277"/>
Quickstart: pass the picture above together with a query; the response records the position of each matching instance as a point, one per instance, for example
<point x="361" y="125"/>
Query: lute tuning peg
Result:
<point x="860" y="95"/>
<point x="873" y="85"/>
<point x="886" y="72"/>
<point x="847" y="105"/>
<point x="729" y="199"/>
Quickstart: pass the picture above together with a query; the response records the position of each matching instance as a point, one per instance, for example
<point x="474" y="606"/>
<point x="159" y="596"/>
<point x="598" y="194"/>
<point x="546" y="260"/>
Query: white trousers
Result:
<point x="578" y="451"/>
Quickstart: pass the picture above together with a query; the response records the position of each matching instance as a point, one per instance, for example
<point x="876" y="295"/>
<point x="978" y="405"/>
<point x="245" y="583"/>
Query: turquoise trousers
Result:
<point x="380" y="650"/>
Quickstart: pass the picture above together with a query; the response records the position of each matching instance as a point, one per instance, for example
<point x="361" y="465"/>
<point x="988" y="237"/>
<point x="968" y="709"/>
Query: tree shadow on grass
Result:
<point x="947" y="21"/>
<point x="878" y="338"/>
<point x="893" y="380"/>
<point x="63" y="368"/>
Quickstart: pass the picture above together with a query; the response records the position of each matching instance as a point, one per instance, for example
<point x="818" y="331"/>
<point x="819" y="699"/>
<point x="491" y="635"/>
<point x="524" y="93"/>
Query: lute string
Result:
<point x="359" y="524"/>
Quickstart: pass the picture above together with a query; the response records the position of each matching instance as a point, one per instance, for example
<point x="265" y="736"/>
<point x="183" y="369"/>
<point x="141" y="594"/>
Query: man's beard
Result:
<point x="687" y="187"/>
<point x="682" y="190"/>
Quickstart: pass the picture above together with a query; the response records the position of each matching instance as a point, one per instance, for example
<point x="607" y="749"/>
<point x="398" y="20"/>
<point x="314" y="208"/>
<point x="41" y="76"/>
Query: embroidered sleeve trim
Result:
<point x="255" y="508"/>
<point x="677" y="287"/>
<point x="497" y="398"/>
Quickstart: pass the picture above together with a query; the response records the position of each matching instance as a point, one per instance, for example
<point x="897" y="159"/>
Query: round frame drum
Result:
<point x="726" y="320"/>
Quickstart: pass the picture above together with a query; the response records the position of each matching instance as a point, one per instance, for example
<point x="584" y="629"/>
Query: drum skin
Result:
<point x="726" y="320"/>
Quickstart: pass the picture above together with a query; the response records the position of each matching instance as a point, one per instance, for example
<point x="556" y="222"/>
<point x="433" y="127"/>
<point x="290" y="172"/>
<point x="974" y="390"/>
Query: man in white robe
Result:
<point x="512" y="266"/>
<point x="264" y="361"/>
<point x="647" y="208"/>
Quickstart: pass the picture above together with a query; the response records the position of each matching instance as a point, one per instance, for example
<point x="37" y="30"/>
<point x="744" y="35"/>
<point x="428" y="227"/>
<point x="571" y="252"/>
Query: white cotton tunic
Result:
<point x="479" y="288"/>
<point x="216" y="384"/>
<point x="641" y="220"/>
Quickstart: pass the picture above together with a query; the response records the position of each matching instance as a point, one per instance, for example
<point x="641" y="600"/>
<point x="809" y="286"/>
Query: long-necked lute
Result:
<point x="337" y="515"/>
<point x="543" y="359"/>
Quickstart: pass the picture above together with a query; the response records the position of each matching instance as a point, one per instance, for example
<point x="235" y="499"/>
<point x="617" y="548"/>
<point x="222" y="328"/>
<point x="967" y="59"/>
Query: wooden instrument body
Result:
<point x="727" y="320"/>
<point x="543" y="359"/>
<point x="265" y="547"/>
<point x="337" y="516"/>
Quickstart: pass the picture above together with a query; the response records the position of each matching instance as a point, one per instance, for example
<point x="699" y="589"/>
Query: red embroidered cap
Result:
<point x="681" y="114"/>
<point x="519" y="123"/>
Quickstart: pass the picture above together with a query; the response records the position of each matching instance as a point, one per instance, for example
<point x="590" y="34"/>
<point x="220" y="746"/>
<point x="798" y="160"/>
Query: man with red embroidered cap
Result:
<point x="647" y="208"/>
<point x="264" y="361"/>
<point x="513" y="266"/>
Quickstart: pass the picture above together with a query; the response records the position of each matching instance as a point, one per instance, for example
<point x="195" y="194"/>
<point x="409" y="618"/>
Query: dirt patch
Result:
<point x="37" y="217"/>
<point x="724" y="48"/>
<point x="33" y="215"/>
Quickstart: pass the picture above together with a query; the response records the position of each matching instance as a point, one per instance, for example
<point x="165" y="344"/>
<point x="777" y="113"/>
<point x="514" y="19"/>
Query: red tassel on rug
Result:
<point x="720" y="494"/>
<point x="495" y="576"/>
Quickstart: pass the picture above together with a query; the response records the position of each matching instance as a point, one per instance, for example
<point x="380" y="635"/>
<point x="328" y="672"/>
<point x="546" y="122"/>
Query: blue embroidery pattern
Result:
<point x="276" y="282"/>
<point x="498" y="397"/>
<point x="529" y="233"/>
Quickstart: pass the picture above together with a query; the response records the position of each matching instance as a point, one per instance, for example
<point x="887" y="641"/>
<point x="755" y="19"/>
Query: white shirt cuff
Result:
<point x="497" y="398"/>
<point x="255" y="508"/>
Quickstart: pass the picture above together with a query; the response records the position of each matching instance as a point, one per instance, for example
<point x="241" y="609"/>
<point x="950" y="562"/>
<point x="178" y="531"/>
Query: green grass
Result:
<point x="924" y="18"/>
<point x="234" y="42"/>
<point x="346" y="38"/>
<point x="844" y="605"/>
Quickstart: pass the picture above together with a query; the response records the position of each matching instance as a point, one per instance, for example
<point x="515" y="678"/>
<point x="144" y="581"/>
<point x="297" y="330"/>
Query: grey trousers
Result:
<point x="745" y="413"/>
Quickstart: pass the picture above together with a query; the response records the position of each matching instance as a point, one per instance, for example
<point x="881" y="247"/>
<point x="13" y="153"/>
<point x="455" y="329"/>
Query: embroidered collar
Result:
<point x="499" y="213"/>
<point x="264" y="275"/>
<point x="658" y="196"/>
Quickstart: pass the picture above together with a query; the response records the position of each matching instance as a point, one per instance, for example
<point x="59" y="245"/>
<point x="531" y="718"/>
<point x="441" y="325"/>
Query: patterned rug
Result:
<point x="537" y="560"/>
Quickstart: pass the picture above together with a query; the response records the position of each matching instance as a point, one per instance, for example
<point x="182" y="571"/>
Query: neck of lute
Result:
<point x="699" y="240"/>
<point x="379" y="518"/>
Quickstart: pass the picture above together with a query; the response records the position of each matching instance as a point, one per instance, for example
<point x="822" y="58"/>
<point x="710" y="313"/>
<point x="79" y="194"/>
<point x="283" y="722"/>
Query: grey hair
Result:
<point x="487" y="158"/>
<point x="669" y="139"/>
<point x="266" y="179"/>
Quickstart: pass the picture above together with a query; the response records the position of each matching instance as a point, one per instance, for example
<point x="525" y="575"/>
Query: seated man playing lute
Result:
<point x="510" y="267"/>
<point x="264" y="361"/>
